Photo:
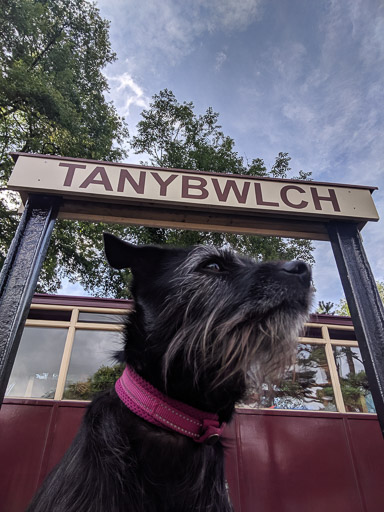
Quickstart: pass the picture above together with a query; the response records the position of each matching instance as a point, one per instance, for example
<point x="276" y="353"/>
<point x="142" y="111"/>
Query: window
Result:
<point x="92" y="367"/>
<point x="37" y="363"/>
<point x="50" y="314"/>
<point x="67" y="352"/>
<point x="341" y="334"/>
<point x="307" y="384"/>
<point x="100" y="318"/>
<point x="328" y="375"/>
<point x="353" y="380"/>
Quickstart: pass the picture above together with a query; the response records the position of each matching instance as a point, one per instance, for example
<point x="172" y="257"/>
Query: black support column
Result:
<point x="19" y="276"/>
<point x="364" y="304"/>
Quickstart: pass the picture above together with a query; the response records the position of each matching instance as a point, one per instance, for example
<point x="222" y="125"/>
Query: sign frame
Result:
<point x="185" y="199"/>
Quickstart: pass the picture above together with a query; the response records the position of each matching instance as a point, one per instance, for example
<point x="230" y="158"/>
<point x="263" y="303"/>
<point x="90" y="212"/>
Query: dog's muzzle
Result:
<point x="299" y="270"/>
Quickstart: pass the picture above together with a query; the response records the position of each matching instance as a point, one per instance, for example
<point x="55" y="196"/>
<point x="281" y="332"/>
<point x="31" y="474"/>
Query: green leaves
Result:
<point x="325" y="308"/>
<point x="52" y="102"/>
<point x="51" y="81"/>
<point x="173" y="135"/>
<point x="342" y="308"/>
<point x="103" y="379"/>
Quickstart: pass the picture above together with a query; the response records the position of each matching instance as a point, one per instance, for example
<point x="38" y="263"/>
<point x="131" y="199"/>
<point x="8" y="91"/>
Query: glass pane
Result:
<point x="101" y="318"/>
<point x="60" y="315"/>
<point x="306" y="385"/>
<point x="312" y="332"/>
<point x="92" y="367"/>
<point x="341" y="334"/>
<point x="353" y="380"/>
<point x="37" y="363"/>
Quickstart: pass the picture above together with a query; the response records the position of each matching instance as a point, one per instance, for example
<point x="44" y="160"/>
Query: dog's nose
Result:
<point x="299" y="269"/>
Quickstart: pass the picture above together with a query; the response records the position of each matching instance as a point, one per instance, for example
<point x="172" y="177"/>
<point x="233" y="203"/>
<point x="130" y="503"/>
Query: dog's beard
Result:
<point x="236" y="350"/>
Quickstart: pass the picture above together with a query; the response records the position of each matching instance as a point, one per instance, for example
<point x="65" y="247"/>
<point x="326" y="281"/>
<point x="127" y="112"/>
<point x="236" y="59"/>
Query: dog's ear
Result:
<point x="119" y="254"/>
<point x="141" y="259"/>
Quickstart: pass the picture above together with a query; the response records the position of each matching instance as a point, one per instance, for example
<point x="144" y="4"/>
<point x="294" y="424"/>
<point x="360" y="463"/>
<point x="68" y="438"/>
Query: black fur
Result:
<point x="205" y="321"/>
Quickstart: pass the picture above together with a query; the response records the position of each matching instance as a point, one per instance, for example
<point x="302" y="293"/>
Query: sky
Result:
<point x="299" y="76"/>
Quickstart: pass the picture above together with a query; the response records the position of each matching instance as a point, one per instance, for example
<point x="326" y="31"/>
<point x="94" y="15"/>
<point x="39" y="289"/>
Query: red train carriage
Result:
<point x="313" y="443"/>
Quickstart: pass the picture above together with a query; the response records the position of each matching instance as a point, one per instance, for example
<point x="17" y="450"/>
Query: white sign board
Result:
<point x="121" y="183"/>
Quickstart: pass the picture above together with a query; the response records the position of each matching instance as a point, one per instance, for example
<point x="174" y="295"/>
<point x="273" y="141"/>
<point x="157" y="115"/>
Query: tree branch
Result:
<point x="47" y="47"/>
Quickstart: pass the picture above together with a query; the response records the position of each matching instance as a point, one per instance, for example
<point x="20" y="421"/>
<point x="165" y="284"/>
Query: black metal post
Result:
<point x="19" y="276"/>
<point x="364" y="303"/>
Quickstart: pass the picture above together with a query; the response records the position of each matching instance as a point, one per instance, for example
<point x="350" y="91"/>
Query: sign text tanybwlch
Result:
<point x="126" y="183"/>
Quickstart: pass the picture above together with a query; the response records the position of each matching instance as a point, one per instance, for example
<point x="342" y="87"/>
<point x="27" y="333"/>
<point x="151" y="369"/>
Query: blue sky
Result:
<point x="299" y="76"/>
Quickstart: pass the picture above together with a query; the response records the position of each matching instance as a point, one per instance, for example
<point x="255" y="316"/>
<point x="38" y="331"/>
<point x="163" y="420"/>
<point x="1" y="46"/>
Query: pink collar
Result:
<point x="152" y="405"/>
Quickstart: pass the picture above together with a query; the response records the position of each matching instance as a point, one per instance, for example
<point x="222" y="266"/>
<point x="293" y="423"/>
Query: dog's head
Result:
<point x="204" y="317"/>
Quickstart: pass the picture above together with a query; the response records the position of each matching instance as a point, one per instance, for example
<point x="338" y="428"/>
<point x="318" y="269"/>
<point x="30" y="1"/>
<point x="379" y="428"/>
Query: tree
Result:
<point x="52" y="102"/>
<point x="353" y="380"/>
<point x="172" y="135"/>
<point x="325" y="308"/>
<point x="342" y="306"/>
<point x="104" y="378"/>
<point x="303" y="385"/>
<point x="51" y="84"/>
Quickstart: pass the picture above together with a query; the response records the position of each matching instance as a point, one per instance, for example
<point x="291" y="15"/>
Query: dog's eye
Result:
<point x="212" y="266"/>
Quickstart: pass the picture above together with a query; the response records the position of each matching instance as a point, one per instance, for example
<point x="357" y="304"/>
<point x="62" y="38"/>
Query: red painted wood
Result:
<point x="368" y="452"/>
<point x="231" y="464"/>
<point x="24" y="431"/>
<point x="295" y="463"/>
<point x="67" y="420"/>
<point x="277" y="461"/>
<point x="70" y="300"/>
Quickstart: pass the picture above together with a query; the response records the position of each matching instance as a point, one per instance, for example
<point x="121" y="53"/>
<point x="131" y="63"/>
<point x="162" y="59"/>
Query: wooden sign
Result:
<point x="81" y="182"/>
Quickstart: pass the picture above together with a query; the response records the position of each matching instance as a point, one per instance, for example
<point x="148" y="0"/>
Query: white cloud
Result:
<point x="323" y="105"/>
<point x="159" y="34"/>
<point x="233" y="14"/>
<point x="221" y="57"/>
<point x="74" y="289"/>
<point x="299" y="112"/>
<point x="126" y="92"/>
<point x="289" y="60"/>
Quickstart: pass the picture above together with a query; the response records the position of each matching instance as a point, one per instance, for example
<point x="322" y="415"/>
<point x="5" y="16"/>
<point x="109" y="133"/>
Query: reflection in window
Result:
<point x="353" y="380"/>
<point x="101" y="318"/>
<point x="37" y="363"/>
<point x="306" y="385"/>
<point x="92" y="367"/>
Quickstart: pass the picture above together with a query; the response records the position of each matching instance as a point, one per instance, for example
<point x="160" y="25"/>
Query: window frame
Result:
<point x="74" y="324"/>
<point x="334" y="376"/>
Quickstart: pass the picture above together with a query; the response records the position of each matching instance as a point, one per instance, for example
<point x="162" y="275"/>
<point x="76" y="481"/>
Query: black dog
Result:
<point x="205" y="321"/>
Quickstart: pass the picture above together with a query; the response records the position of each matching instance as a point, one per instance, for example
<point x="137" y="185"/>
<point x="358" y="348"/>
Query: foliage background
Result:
<point x="52" y="101"/>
